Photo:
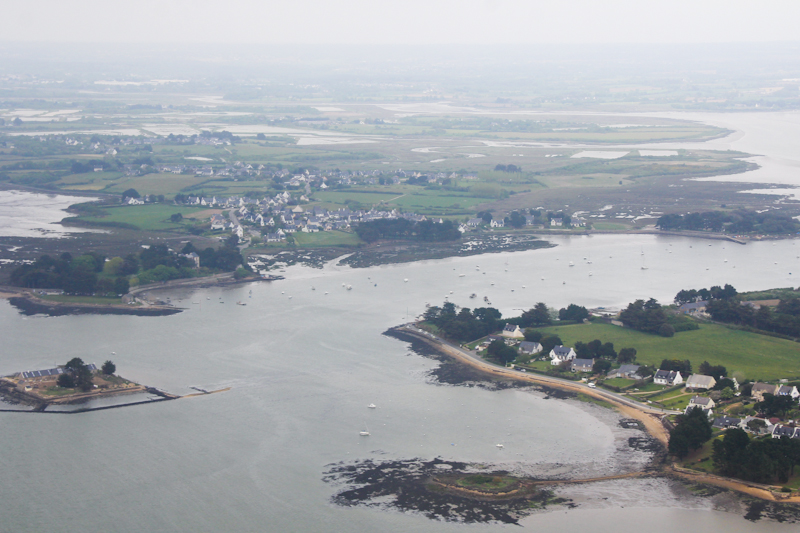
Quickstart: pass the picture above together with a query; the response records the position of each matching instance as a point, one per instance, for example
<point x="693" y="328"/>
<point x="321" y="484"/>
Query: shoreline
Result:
<point x="652" y="424"/>
<point x="29" y="303"/>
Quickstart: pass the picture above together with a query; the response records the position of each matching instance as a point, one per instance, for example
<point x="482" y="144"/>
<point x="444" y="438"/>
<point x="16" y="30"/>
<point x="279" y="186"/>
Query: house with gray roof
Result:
<point x="667" y="377"/>
<point x="788" y="390"/>
<point x="625" y="371"/>
<point x="702" y="402"/>
<point x="528" y="347"/>
<point x="699" y="381"/>
<point x="726" y="422"/>
<point x="512" y="331"/>
<point x="582" y="365"/>
<point x="760" y="389"/>
<point x="785" y="431"/>
<point x="560" y="353"/>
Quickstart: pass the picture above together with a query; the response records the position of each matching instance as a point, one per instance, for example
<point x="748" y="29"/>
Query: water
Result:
<point x="302" y="372"/>
<point x="25" y="214"/>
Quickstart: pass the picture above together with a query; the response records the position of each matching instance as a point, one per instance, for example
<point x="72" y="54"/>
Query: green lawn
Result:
<point x="619" y="382"/>
<point x="144" y="217"/>
<point x="745" y="355"/>
<point x="326" y="238"/>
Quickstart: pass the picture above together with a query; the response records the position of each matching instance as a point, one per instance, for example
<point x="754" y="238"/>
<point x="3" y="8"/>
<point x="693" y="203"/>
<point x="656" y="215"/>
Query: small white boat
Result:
<point x="571" y="264"/>
<point x="372" y="406"/>
<point x="473" y="295"/>
<point x="326" y="293"/>
<point x="405" y="280"/>
<point x="312" y="288"/>
<point x="644" y="268"/>
<point x="461" y="275"/>
<point x="499" y="446"/>
<point x="240" y="303"/>
<point x="349" y="287"/>
<point x="365" y="431"/>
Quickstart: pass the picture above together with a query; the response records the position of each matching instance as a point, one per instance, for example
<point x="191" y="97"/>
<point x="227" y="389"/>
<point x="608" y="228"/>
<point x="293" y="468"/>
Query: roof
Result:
<point x="726" y="421"/>
<point x="582" y="362"/>
<point x="783" y="431"/>
<point x="526" y="346"/>
<point x="669" y="375"/>
<point x="786" y="389"/>
<point x="700" y="400"/>
<point x="694" y="305"/>
<point x="763" y="387"/>
<point x="511" y="327"/>
<point x="700" y="381"/>
<point x="628" y="369"/>
<point x="561" y="350"/>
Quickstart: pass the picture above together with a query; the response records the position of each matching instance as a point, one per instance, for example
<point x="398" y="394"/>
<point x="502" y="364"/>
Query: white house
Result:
<point x="760" y="389"/>
<point x="699" y="381"/>
<point x="512" y="331"/>
<point x="528" y="347"/>
<point x="702" y="402"/>
<point x="560" y="353"/>
<point x="582" y="365"/>
<point x="786" y="390"/>
<point x="667" y="377"/>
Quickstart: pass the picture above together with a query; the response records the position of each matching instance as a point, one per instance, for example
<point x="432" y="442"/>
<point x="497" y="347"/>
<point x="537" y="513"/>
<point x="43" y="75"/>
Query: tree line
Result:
<point x="93" y="273"/>
<point x="735" y="222"/>
<point x="403" y="229"/>
<point x="759" y="460"/>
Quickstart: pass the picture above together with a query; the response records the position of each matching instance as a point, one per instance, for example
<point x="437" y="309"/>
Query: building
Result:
<point x="699" y="381"/>
<point x="625" y="371"/>
<point x="582" y="365"/>
<point x="512" y="331"/>
<point x="702" y="402"/>
<point x="527" y="347"/>
<point x="560" y="354"/>
<point x="667" y="377"/>
<point x="786" y="390"/>
<point x="785" y="431"/>
<point x="760" y="389"/>
<point x="726" y="422"/>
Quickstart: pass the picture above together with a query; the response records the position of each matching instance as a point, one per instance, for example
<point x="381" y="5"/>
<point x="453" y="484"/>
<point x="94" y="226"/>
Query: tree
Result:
<point x="626" y="356"/>
<point x="726" y="393"/>
<point x="108" y="368"/>
<point x="607" y="350"/>
<point x="66" y="381"/>
<point x="516" y="220"/>
<point x="80" y="372"/>
<point x="773" y="405"/>
<point x="549" y="342"/>
<point x="692" y="431"/>
<point x="715" y="371"/>
<point x="532" y="335"/>
<point x="573" y="312"/>
<point x="177" y="217"/>
<point x="130" y="193"/>
<point x="666" y="330"/>
<point x="538" y="315"/>
<point x="601" y="366"/>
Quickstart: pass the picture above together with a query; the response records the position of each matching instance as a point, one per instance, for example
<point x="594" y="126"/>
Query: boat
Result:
<point x="571" y="264"/>
<point x="461" y="275"/>
<point x="473" y="295"/>
<point x="240" y="303"/>
<point x="485" y="298"/>
<point x="364" y="432"/>
<point x="405" y="280"/>
<point x="349" y="287"/>
<point x="312" y="288"/>
<point x="500" y="446"/>
<point x="372" y="406"/>
<point x="644" y="267"/>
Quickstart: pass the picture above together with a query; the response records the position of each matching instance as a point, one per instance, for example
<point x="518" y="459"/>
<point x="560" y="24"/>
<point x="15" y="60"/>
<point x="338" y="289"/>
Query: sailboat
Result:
<point x="365" y="432"/>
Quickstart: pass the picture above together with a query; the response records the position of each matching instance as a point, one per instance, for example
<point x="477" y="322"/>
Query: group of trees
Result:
<point x="91" y="273"/>
<point x="736" y="222"/>
<point x="403" y="229"/>
<point x="759" y="460"/>
<point x="648" y="317"/>
<point x="574" y="313"/>
<point x="714" y="293"/>
<point x="692" y="431"/>
<point x="85" y="274"/>
<point x="78" y="375"/>
<point x="464" y="324"/>
<point x="784" y="320"/>
<point x="507" y="168"/>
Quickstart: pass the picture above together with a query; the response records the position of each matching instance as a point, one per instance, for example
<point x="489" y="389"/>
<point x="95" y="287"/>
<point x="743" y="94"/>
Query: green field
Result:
<point x="746" y="355"/>
<point x="326" y="238"/>
<point x="145" y="217"/>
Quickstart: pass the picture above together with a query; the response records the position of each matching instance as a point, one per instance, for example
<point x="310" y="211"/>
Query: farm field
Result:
<point x="326" y="238"/>
<point x="745" y="355"/>
<point x="144" y="217"/>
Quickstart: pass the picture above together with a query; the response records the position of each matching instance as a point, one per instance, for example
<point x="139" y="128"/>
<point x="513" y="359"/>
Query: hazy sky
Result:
<point x="401" y="21"/>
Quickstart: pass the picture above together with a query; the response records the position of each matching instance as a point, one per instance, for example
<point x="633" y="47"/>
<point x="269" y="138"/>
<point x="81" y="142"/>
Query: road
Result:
<point x="556" y="382"/>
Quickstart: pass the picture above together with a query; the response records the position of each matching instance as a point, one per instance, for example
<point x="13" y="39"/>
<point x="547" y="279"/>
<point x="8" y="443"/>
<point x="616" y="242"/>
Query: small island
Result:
<point x="74" y="382"/>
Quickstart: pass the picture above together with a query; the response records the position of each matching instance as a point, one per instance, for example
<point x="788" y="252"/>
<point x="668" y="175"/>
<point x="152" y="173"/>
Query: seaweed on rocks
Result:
<point x="450" y="371"/>
<point x="410" y="486"/>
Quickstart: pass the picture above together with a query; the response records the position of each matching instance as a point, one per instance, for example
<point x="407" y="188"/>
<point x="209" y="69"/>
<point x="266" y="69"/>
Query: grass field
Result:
<point x="144" y="217"/>
<point x="326" y="238"/>
<point x="745" y="355"/>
